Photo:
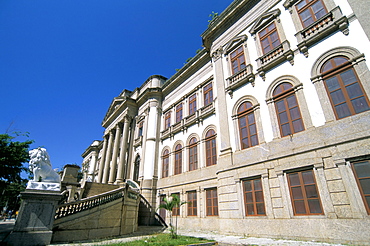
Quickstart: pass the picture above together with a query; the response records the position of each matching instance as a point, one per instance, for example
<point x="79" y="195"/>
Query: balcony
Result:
<point x="326" y="25"/>
<point x="274" y="57"/>
<point x="240" y="78"/>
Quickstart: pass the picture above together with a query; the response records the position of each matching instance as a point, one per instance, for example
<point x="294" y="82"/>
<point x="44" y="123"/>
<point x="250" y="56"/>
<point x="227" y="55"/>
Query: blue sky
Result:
<point x="63" y="61"/>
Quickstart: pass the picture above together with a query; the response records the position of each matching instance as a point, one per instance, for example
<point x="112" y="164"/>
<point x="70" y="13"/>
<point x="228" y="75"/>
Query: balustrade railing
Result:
<point x="88" y="203"/>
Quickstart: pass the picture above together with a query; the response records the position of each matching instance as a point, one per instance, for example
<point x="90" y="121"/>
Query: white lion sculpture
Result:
<point x="41" y="167"/>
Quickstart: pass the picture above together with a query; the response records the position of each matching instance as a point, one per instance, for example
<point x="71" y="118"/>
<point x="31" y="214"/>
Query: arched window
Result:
<point x="287" y="109"/>
<point x="343" y="86"/>
<point x="165" y="163"/>
<point x="193" y="154"/>
<point x="211" y="155"/>
<point x="247" y="126"/>
<point x="178" y="159"/>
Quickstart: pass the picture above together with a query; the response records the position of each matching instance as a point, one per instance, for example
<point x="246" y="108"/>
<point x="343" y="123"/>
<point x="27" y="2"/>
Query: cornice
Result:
<point x="226" y="19"/>
<point x="187" y="70"/>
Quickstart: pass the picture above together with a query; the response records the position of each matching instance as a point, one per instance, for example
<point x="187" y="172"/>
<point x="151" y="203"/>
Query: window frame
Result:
<point x="167" y="120"/>
<point x="140" y="130"/>
<point x="208" y="94"/>
<point x="245" y="114"/>
<point x="336" y="72"/>
<point x="236" y="58"/>
<point x="304" y="192"/>
<point x="179" y="112"/>
<point x="267" y="37"/>
<point x="212" y="202"/>
<point x="165" y="163"/>
<point x="277" y="55"/>
<point x="360" y="188"/>
<point x="210" y="148"/>
<point x="331" y="22"/>
<point x="359" y="66"/>
<point x="308" y="6"/>
<point x="192" y="104"/>
<point x="270" y="100"/>
<point x="176" y="210"/>
<point x="253" y="192"/>
<point x="178" y="159"/>
<point x="192" y="203"/>
<point x="283" y="97"/>
<point x="193" y="158"/>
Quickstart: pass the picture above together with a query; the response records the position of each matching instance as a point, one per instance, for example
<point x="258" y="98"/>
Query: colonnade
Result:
<point x="114" y="153"/>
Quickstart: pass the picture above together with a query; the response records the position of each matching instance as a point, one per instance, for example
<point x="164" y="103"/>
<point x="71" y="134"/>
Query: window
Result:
<point x="237" y="60"/>
<point x="287" y="109"/>
<point x="272" y="46"/>
<point x="247" y="126"/>
<point x="211" y="155"/>
<point x="253" y="197"/>
<point x="193" y="154"/>
<point x="192" y="203"/>
<point x="303" y="192"/>
<point x="362" y="174"/>
<point x="192" y="104"/>
<point x="162" y="211"/>
<point x="176" y="209"/>
<point x="310" y="11"/>
<point x="165" y="163"/>
<point x="345" y="91"/>
<point x="140" y="129"/>
<point x="211" y="202"/>
<point x="167" y="120"/>
<point x="178" y="159"/>
<point x="315" y="20"/>
<point x="269" y="38"/>
<point x="179" y="113"/>
<point x="208" y="94"/>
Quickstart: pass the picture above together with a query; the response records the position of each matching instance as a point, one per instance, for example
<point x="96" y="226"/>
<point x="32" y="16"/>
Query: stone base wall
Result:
<point x="108" y="220"/>
<point x="327" y="151"/>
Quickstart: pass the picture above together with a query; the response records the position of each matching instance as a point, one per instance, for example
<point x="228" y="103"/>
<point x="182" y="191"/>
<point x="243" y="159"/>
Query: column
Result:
<point x="122" y="154"/>
<point x="94" y="158"/>
<point x="108" y="158"/>
<point x="102" y="160"/>
<point x="112" y="175"/>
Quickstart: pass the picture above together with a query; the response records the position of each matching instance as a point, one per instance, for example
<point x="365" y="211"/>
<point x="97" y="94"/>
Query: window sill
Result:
<point x="242" y="77"/>
<point x="275" y="57"/>
<point x="326" y="25"/>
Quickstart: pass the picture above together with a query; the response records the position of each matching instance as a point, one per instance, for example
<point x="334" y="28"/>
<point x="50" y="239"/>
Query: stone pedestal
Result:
<point x="36" y="218"/>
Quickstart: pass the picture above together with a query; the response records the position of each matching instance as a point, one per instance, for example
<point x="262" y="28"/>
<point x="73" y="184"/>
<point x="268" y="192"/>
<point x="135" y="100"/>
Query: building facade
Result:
<point x="265" y="132"/>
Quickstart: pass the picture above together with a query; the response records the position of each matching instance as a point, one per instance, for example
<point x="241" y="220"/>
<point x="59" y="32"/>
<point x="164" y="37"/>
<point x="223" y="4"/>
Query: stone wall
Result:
<point x="112" y="219"/>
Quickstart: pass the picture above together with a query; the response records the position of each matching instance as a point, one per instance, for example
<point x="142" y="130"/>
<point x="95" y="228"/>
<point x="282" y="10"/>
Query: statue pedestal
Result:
<point x="36" y="218"/>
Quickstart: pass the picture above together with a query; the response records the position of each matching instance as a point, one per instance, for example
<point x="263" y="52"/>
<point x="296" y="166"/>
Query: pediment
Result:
<point x="288" y="3"/>
<point x="235" y="42"/>
<point x="263" y="20"/>
<point x="116" y="103"/>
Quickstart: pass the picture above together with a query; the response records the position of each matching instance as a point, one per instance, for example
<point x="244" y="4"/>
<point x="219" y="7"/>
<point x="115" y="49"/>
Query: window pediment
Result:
<point x="263" y="20"/>
<point x="235" y="42"/>
<point x="289" y="3"/>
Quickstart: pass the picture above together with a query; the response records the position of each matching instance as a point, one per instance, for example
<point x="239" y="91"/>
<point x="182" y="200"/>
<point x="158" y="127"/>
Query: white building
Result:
<point x="265" y="132"/>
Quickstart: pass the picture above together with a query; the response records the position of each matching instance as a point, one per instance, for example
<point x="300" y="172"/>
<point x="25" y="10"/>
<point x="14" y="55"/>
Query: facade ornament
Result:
<point x="44" y="177"/>
<point x="217" y="54"/>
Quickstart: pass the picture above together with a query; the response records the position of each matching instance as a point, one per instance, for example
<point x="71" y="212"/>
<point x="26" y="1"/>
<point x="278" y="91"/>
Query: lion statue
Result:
<point x="41" y="167"/>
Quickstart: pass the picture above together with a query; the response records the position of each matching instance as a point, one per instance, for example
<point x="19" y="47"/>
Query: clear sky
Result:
<point x="63" y="61"/>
